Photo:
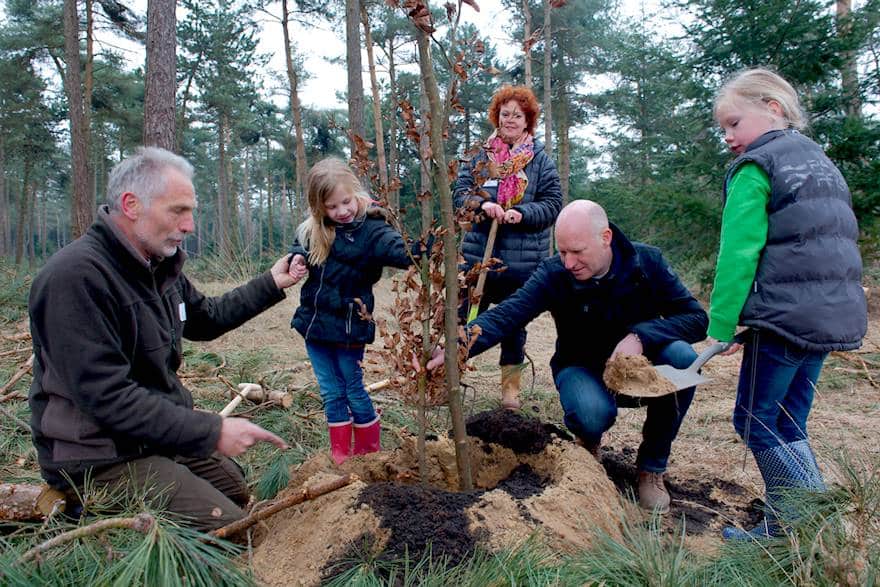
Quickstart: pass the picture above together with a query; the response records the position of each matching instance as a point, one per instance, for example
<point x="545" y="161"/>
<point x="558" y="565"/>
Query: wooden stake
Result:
<point x="306" y="494"/>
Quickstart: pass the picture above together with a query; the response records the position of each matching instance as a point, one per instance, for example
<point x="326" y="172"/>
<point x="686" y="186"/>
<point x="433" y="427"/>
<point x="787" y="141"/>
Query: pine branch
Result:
<point x="141" y="522"/>
<point x="24" y="368"/>
<point x="306" y="494"/>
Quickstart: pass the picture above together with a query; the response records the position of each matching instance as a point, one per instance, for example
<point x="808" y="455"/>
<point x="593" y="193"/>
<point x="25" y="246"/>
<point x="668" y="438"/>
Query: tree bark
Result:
<point x="439" y="174"/>
<point x="295" y="108"/>
<point x="527" y="44"/>
<point x="222" y="190"/>
<point x="548" y="94"/>
<point x="848" y="72"/>
<point x="83" y="202"/>
<point x="355" y="81"/>
<point x="393" y="155"/>
<point x="377" y="104"/>
<point x="21" y="223"/>
<point x="160" y="86"/>
<point x="5" y="226"/>
<point x="562" y="133"/>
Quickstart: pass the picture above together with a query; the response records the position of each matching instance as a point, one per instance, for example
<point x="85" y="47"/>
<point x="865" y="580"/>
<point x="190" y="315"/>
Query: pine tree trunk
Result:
<point x="160" y="86"/>
<point x="848" y="72"/>
<point x="527" y="46"/>
<point x="82" y="202"/>
<point x="353" y="60"/>
<point x="5" y="226"/>
<point x="440" y="179"/>
<point x="222" y="191"/>
<point x="393" y="154"/>
<point x="377" y="104"/>
<point x="246" y="201"/>
<point x="548" y="82"/>
<point x="23" y="214"/>
<point x="562" y="133"/>
<point x="295" y="107"/>
<point x="284" y="215"/>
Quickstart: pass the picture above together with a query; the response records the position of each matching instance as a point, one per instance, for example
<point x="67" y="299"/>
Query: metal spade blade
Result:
<point x="684" y="378"/>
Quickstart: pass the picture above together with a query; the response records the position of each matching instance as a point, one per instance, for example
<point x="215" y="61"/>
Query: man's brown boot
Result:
<point x="510" y="386"/>
<point x="652" y="492"/>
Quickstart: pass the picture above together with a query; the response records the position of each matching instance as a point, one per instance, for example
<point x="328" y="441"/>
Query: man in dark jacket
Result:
<point x="107" y="315"/>
<point x="607" y="296"/>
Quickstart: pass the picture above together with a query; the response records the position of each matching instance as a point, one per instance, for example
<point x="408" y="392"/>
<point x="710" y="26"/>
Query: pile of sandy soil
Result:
<point x="634" y="375"/>
<point x="547" y="485"/>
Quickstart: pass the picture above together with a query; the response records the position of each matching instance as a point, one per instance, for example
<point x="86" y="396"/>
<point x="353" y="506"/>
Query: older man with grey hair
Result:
<point x="107" y="316"/>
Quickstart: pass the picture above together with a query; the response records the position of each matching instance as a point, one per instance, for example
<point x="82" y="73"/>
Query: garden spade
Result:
<point x="684" y="378"/>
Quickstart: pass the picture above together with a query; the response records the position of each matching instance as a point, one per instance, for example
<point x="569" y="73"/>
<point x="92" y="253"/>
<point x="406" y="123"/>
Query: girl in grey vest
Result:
<point x="789" y="270"/>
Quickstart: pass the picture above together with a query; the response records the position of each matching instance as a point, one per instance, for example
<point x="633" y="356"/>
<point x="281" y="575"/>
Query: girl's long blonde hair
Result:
<point x="759" y="86"/>
<point x="316" y="233"/>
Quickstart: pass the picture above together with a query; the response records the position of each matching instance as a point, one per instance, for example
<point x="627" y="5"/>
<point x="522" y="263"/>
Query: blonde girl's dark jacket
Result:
<point x="336" y="301"/>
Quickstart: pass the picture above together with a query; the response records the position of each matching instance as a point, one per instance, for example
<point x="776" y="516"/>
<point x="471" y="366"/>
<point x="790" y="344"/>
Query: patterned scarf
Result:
<point x="508" y="167"/>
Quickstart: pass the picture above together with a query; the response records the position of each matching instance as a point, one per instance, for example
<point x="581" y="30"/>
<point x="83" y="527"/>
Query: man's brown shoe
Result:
<point x="652" y="492"/>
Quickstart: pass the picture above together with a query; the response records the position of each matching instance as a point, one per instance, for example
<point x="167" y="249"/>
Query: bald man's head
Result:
<point x="584" y="239"/>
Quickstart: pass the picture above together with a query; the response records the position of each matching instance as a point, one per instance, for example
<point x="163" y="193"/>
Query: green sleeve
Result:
<point x="743" y="236"/>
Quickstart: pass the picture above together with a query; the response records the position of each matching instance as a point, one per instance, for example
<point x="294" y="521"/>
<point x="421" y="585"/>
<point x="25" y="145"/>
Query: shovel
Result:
<point x="684" y="378"/>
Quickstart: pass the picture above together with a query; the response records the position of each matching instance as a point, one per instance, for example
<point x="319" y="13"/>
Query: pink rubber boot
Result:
<point x="366" y="437"/>
<point x="340" y="441"/>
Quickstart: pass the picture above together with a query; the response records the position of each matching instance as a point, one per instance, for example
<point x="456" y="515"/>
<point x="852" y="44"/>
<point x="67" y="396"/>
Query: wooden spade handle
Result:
<point x="481" y="280"/>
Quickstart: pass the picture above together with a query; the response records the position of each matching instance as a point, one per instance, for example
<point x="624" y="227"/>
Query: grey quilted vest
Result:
<point x="808" y="285"/>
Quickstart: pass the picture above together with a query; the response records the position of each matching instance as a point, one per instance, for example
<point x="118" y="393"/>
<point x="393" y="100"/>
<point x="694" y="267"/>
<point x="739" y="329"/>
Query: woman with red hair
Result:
<point x="514" y="183"/>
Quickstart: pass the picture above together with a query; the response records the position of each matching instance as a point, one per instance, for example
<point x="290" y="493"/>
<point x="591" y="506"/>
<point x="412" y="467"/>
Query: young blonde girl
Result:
<point x="343" y="245"/>
<point x="789" y="270"/>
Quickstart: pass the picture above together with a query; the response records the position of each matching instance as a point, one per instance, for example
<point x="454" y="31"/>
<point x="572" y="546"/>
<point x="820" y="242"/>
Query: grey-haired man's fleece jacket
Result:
<point x="107" y="335"/>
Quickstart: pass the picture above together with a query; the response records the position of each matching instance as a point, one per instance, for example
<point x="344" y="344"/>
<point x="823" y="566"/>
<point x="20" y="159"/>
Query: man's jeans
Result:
<point x="776" y="385"/>
<point x="591" y="409"/>
<point x="341" y="382"/>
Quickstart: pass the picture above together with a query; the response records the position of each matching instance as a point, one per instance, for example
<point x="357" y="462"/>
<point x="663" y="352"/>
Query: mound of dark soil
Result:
<point x="420" y="518"/>
<point x="521" y="434"/>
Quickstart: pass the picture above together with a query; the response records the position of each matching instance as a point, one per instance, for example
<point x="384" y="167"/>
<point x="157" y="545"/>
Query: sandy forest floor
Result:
<point x="711" y="476"/>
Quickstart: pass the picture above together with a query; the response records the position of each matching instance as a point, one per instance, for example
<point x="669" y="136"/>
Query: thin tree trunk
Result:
<point x="527" y="44"/>
<point x="848" y="72"/>
<point x="5" y="226"/>
<point x="246" y="201"/>
<point x="393" y="155"/>
<point x="284" y="214"/>
<point x="222" y="190"/>
<point x="548" y="104"/>
<point x="377" y="104"/>
<point x="270" y="222"/>
<point x="82" y="203"/>
<point x="562" y="132"/>
<point x="353" y="59"/>
<point x="32" y="227"/>
<point x="23" y="214"/>
<point x="161" y="84"/>
<point x="427" y="218"/>
<point x="295" y="108"/>
<point x="440" y="178"/>
<point x="44" y="227"/>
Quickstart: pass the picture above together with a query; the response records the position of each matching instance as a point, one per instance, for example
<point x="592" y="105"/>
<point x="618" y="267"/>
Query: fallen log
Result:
<point x="306" y="494"/>
<point x="22" y="502"/>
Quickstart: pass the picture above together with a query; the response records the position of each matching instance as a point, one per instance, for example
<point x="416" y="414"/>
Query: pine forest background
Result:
<point x="626" y="108"/>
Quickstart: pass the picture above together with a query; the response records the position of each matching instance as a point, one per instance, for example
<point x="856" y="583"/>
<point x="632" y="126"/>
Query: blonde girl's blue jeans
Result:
<point x="341" y="382"/>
